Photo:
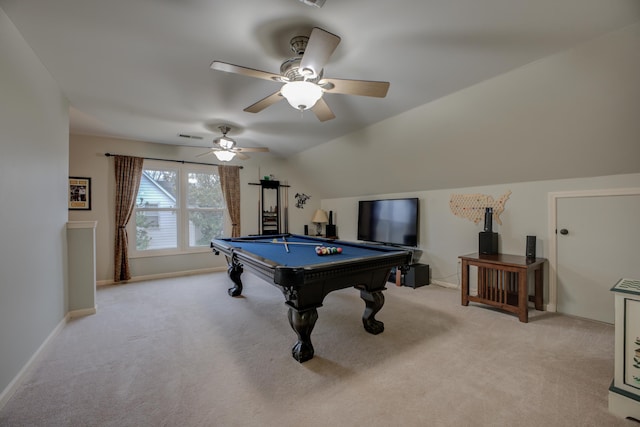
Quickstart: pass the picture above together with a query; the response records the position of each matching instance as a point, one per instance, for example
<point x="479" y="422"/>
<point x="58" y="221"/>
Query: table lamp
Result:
<point x="319" y="218"/>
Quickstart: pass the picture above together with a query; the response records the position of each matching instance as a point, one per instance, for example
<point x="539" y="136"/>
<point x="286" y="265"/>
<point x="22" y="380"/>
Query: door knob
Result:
<point x="564" y="231"/>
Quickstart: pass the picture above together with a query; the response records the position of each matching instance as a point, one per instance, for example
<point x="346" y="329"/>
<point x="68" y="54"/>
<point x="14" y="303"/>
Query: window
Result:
<point x="178" y="209"/>
<point x="150" y="217"/>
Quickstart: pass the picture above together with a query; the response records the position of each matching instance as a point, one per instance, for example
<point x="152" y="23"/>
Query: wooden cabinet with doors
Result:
<point x="624" y="393"/>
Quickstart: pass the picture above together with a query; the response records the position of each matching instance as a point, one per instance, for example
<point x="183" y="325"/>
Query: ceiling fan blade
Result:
<point x="355" y="87"/>
<point x="206" y="153"/>
<point x="245" y="71"/>
<point x="264" y="103"/>
<point x="319" y="48"/>
<point x="241" y="156"/>
<point x="322" y="111"/>
<point x="250" y="149"/>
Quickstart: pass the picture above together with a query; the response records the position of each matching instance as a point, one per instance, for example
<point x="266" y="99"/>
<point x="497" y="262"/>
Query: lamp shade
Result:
<point x="224" y="156"/>
<point x="320" y="217"/>
<point x="301" y="95"/>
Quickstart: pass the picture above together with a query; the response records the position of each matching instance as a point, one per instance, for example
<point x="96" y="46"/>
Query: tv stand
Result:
<point x="416" y="253"/>
<point x="415" y="275"/>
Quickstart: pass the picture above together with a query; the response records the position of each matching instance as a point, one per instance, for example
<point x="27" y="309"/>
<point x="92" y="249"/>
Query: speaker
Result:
<point x="306" y="230"/>
<point x="531" y="247"/>
<point x="331" y="230"/>
<point x="488" y="243"/>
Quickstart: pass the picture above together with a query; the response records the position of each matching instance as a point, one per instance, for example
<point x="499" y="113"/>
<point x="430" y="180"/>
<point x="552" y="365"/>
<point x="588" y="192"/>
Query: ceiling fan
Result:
<point x="303" y="79"/>
<point x="226" y="149"/>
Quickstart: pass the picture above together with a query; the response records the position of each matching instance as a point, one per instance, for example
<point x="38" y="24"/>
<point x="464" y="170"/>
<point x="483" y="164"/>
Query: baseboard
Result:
<point x="445" y="284"/>
<point x="22" y="375"/>
<point x="162" y="276"/>
<point x="81" y="313"/>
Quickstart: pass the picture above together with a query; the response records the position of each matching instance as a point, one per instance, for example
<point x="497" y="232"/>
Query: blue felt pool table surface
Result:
<point x="304" y="255"/>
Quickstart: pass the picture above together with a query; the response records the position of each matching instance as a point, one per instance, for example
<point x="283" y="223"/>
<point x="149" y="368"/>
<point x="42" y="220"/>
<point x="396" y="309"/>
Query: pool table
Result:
<point x="305" y="278"/>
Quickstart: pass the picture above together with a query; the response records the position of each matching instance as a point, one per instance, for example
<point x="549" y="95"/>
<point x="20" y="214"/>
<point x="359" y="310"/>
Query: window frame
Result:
<point x="182" y="211"/>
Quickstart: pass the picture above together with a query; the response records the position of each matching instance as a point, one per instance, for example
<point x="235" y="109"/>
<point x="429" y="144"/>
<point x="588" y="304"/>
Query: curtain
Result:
<point x="128" y="174"/>
<point x="230" y="182"/>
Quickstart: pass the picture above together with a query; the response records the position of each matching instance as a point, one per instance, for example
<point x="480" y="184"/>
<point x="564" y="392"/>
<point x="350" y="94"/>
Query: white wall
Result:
<point x="87" y="159"/>
<point x="444" y="236"/>
<point x="574" y="114"/>
<point x="33" y="188"/>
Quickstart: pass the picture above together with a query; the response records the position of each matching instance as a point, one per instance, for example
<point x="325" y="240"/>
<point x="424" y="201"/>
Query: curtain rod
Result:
<point x="170" y="160"/>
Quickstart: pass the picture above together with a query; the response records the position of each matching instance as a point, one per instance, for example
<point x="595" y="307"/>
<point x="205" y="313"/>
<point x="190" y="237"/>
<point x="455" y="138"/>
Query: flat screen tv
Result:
<point x="390" y="221"/>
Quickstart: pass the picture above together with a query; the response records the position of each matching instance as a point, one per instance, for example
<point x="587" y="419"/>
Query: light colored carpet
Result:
<point x="181" y="352"/>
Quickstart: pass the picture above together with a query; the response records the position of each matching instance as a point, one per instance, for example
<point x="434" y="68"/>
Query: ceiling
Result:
<point x="140" y="69"/>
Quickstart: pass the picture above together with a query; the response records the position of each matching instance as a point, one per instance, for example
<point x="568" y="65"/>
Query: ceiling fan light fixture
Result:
<point x="308" y="73"/>
<point x="315" y="3"/>
<point x="226" y="143"/>
<point x="301" y="95"/>
<point x="224" y="156"/>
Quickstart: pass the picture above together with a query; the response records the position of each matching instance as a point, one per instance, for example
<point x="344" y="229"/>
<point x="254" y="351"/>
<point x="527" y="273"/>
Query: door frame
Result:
<point x="553" y="225"/>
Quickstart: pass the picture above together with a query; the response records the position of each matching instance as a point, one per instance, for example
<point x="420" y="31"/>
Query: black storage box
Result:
<point x="418" y="275"/>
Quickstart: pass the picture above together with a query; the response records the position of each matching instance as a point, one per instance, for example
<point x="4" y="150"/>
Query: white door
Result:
<point x="598" y="241"/>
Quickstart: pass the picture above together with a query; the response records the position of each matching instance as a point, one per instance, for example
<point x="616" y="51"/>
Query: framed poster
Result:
<point x="79" y="193"/>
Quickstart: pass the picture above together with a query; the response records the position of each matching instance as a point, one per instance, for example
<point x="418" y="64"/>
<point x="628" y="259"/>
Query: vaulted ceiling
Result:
<point x="140" y="69"/>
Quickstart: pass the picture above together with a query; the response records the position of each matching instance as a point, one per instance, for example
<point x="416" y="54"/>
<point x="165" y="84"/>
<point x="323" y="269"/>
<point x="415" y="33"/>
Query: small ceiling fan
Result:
<point x="226" y="149"/>
<point x="303" y="79"/>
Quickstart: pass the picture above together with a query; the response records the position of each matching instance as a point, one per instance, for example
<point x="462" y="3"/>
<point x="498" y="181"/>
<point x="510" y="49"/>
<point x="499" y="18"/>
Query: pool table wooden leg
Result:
<point x="235" y="271"/>
<point x="374" y="300"/>
<point x="302" y="323"/>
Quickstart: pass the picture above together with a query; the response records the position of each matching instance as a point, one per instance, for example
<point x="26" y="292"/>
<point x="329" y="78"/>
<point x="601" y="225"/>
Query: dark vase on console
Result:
<point x="487" y="239"/>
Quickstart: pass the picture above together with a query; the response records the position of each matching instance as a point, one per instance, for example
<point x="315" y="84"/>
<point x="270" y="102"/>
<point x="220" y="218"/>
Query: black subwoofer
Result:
<point x="487" y="243"/>
<point x="418" y="275"/>
<point x="331" y="230"/>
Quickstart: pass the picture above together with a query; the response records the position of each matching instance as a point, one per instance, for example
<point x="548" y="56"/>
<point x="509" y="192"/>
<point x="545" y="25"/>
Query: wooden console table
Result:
<point x="502" y="282"/>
